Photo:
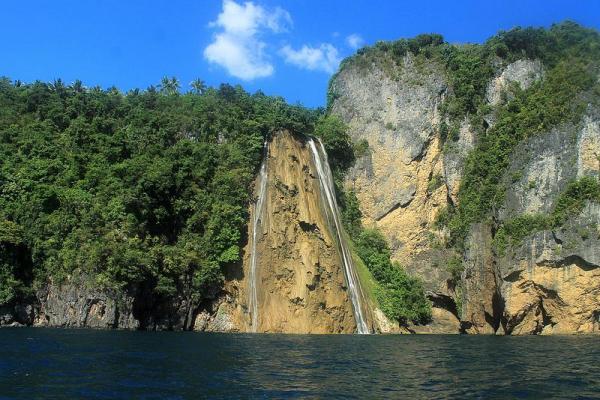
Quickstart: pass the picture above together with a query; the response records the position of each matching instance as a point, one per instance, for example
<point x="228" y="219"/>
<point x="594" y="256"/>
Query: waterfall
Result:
<point x="328" y="197"/>
<point x="256" y="222"/>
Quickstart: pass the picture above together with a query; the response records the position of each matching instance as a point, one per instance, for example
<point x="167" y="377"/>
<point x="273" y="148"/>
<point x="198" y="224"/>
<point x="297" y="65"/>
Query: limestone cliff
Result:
<point x="398" y="116"/>
<point x="550" y="282"/>
<point x="78" y="302"/>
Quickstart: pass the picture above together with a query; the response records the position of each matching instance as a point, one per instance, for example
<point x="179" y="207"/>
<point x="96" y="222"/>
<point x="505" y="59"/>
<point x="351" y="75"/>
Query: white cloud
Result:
<point x="238" y="47"/>
<point x="354" y="41"/>
<point x="323" y="58"/>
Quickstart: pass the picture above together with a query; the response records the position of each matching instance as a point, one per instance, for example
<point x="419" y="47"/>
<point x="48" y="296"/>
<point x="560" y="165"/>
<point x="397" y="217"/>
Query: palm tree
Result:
<point x="198" y="86"/>
<point x="169" y="86"/>
<point x="175" y="85"/>
<point x="78" y="86"/>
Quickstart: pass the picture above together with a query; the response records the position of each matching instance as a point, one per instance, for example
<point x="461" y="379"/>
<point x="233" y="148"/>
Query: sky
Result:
<point x="288" y="48"/>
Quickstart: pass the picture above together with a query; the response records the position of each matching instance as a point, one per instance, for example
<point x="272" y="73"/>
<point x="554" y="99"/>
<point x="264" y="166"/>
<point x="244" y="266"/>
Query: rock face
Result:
<point x="522" y="72"/>
<point x="481" y="305"/>
<point x="399" y="117"/>
<point x="78" y="303"/>
<point x="550" y="282"/>
<point x="454" y="157"/>
<point x="300" y="278"/>
<point x="75" y="306"/>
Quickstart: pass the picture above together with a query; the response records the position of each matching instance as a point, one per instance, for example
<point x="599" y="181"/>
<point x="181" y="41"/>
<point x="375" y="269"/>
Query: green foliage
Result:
<point x="14" y="266"/>
<point x="469" y="71"/>
<point x="516" y="229"/>
<point x="455" y="267"/>
<point x="569" y="203"/>
<point x="334" y="134"/>
<point x="361" y="148"/>
<point x="169" y="86"/>
<point x="374" y="251"/>
<point x="198" y="86"/>
<point x="435" y="182"/>
<point x="9" y="285"/>
<point x="143" y="187"/>
<point x="351" y="214"/>
<point x="516" y="176"/>
<point x="573" y="199"/>
<point x="553" y="101"/>
<point x="10" y="233"/>
<point x="401" y="296"/>
<point x="420" y="44"/>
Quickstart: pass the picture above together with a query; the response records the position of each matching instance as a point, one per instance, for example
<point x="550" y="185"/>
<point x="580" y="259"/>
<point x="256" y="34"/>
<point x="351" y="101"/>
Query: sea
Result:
<point x="43" y="363"/>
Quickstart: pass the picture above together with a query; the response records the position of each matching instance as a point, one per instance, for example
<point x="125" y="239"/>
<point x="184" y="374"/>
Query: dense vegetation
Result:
<point x="146" y="188"/>
<point x="400" y="296"/>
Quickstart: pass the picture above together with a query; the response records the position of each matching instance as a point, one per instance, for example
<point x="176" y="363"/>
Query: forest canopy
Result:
<point x="148" y="187"/>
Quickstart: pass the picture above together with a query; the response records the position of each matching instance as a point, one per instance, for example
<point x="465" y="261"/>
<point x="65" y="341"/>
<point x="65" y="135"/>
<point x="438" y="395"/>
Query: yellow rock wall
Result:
<point x="301" y="283"/>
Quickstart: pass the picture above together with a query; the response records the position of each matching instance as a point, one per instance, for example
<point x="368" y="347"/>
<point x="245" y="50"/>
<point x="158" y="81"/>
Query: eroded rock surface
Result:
<point x="521" y="72"/>
<point x="399" y="117"/>
<point x="301" y="284"/>
<point x="77" y="302"/>
<point x="481" y="303"/>
<point x="534" y="288"/>
<point x="551" y="282"/>
<point x="73" y="304"/>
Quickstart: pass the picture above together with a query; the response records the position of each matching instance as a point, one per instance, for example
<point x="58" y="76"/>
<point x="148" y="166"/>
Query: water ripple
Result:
<point x="67" y="364"/>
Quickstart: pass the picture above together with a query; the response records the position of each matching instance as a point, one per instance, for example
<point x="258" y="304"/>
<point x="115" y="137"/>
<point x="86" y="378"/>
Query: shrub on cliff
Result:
<point x="334" y="134"/>
<point x="400" y="296"/>
<point x="569" y="203"/>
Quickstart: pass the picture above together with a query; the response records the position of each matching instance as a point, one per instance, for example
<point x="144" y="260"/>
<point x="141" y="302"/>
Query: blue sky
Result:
<point x="283" y="47"/>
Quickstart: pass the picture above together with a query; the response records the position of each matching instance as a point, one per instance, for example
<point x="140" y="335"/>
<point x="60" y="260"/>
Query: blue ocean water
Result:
<point x="91" y="364"/>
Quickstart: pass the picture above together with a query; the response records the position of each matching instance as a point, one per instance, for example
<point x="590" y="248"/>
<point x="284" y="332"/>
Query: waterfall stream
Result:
<point x="256" y="222"/>
<point x="328" y="197"/>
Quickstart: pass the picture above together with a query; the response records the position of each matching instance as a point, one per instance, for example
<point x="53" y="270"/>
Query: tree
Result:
<point x="77" y="86"/>
<point x="169" y="86"/>
<point x="334" y="134"/>
<point x="198" y="86"/>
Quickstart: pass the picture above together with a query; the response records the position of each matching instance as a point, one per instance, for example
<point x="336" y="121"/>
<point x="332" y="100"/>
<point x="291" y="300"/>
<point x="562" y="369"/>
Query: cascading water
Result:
<point x="328" y="197"/>
<point x="256" y="221"/>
